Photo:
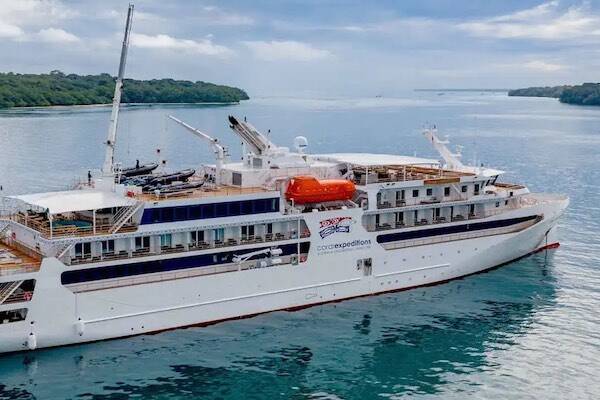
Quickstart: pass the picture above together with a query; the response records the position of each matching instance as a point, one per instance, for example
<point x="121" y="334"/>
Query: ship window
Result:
<point x="259" y="206"/>
<point x="166" y="240"/>
<point x="497" y="204"/>
<point x="234" y="208"/>
<point x="429" y="191"/>
<point x="246" y="207"/>
<point x="208" y="211"/>
<point x="197" y="236"/>
<point x="9" y="316"/>
<point x="167" y="215"/>
<point x="219" y="234"/>
<point x="83" y="249"/>
<point x="447" y="191"/>
<point x="463" y="189"/>
<point x="142" y="242"/>
<point x="221" y="210"/>
<point x="236" y="179"/>
<point x="195" y="212"/>
<point x="416" y="193"/>
<point x="225" y="209"/>
<point x="477" y="188"/>
<point x="181" y="213"/>
<point x="108" y="246"/>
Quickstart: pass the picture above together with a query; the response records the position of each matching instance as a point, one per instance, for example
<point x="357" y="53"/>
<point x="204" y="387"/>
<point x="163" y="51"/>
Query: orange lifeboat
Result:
<point x="308" y="189"/>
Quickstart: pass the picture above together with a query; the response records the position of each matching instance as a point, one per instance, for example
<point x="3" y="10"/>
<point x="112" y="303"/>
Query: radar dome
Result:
<point x="300" y="143"/>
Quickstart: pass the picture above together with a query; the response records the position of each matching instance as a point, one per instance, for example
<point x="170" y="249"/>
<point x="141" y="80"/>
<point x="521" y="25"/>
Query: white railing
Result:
<point x="459" y="236"/>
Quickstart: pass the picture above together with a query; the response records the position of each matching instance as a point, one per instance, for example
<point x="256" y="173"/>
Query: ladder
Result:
<point x="124" y="215"/>
<point x="64" y="249"/>
<point x="7" y="289"/>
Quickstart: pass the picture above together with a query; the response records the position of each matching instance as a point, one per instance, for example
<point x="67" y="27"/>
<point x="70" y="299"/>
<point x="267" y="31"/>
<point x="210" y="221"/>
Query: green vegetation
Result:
<point x="547" y="91"/>
<point x="587" y="94"/>
<point x="58" y="89"/>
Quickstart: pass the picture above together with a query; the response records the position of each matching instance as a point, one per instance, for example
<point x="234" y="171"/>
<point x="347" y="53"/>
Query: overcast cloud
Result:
<point x="325" y="48"/>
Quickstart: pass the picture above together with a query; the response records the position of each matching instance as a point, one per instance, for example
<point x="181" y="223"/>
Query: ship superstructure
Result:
<point x="280" y="229"/>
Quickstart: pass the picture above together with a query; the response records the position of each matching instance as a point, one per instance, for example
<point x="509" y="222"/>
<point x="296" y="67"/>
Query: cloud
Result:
<point x="34" y="12"/>
<point x="286" y="50"/>
<point x="55" y="35"/>
<point x="8" y="31"/>
<point x="543" y="22"/>
<point x="162" y="41"/>
<point x="216" y="16"/>
<point x="543" y="66"/>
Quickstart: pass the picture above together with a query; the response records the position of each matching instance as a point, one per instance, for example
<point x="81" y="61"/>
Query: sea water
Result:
<point x="530" y="329"/>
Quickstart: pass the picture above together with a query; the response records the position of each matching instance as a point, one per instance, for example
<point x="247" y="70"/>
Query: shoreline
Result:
<point x="124" y="105"/>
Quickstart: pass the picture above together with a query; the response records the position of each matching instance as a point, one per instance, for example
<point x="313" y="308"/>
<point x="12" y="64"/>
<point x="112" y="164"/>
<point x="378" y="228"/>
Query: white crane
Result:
<point x="108" y="166"/>
<point x="220" y="151"/>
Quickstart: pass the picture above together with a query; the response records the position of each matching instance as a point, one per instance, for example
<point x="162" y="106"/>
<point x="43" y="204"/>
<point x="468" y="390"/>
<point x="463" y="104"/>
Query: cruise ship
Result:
<point x="138" y="250"/>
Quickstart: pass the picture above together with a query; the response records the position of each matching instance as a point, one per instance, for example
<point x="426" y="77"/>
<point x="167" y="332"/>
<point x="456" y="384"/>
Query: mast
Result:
<point x="107" y="168"/>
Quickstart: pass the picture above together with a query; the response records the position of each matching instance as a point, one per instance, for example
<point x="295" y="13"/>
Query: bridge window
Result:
<point x="429" y="191"/>
<point x="416" y="193"/>
<point x="213" y="210"/>
<point x="447" y="191"/>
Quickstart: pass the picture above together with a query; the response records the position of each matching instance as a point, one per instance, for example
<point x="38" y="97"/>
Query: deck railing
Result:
<point x="180" y="248"/>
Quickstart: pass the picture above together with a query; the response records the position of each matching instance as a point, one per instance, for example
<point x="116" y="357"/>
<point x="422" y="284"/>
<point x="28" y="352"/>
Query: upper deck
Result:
<point x="16" y="259"/>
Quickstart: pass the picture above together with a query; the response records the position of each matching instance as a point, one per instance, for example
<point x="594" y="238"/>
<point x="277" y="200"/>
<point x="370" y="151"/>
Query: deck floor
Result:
<point x="202" y="192"/>
<point x="16" y="261"/>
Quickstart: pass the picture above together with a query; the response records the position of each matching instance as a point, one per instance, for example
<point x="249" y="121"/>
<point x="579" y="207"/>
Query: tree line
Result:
<point x="59" y="89"/>
<point x="587" y="94"/>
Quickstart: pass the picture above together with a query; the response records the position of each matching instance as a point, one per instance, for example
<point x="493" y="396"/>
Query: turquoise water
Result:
<point x="530" y="329"/>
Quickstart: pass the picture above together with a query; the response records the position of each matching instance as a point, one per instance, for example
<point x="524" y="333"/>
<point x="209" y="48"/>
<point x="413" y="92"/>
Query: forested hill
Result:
<point x="587" y="94"/>
<point x="58" y="89"/>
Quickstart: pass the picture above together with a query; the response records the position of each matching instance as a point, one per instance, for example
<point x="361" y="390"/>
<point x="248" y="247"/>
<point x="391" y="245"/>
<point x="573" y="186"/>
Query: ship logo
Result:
<point x="334" y="225"/>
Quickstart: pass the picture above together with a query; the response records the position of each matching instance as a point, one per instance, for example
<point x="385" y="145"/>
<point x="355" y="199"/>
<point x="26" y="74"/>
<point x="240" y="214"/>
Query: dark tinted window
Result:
<point x="214" y="210"/>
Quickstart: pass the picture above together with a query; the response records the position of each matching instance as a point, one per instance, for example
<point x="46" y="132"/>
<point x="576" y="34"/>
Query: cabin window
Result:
<point x="463" y="189"/>
<point x="166" y="240"/>
<point x="108" y="246"/>
<point x="219" y="234"/>
<point x="142" y="242"/>
<point x="477" y="188"/>
<point x="497" y="204"/>
<point x="447" y="191"/>
<point x="415" y="192"/>
<point x="236" y="179"/>
<point x="83" y="249"/>
<point x="247" y="230"/>
<point x="197" y="236"/>
<point x="399" y="218"/>
<point x="429" y="192"/>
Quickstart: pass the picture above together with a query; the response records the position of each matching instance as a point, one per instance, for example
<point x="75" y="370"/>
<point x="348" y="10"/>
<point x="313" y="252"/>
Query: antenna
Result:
<point x="107" y="168"/>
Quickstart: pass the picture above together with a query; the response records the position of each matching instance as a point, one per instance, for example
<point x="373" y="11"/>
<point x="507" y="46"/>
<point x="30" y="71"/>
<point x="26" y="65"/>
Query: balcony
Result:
<point x="181" y="248"/>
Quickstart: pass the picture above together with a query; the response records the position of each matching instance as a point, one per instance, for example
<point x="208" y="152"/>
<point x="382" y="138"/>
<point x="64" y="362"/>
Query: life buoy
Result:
<point x="27" y="296"/>
<point x="303" y="258"/>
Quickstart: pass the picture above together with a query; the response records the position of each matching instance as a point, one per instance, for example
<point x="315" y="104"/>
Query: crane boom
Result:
<point x="219" y="150"/>
<point x="108" y="166"/>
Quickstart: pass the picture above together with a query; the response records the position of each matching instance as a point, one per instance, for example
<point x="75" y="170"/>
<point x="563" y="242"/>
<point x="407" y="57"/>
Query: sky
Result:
<point x="312" y="48"/>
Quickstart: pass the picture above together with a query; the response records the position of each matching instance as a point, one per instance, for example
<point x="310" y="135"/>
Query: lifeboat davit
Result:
<point x="308" y="189"/>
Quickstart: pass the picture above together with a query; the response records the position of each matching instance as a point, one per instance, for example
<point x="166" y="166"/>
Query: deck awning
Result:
<point x="75" y="200"/>
<point x="374" y="160"/>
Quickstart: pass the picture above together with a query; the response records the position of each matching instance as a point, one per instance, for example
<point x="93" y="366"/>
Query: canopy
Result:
<point x="75" y="200"/>
<point x="374" y="160"/>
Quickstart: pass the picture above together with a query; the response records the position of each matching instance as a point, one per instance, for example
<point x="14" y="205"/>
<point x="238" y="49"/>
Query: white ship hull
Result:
<point x="57" y="316"/>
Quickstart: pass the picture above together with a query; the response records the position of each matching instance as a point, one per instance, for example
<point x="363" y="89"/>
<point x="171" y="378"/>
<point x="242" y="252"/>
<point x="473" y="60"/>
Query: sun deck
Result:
<point x="16" y="260"/>
<point x="394" y="173"/>
<point x="215" y="191"/>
